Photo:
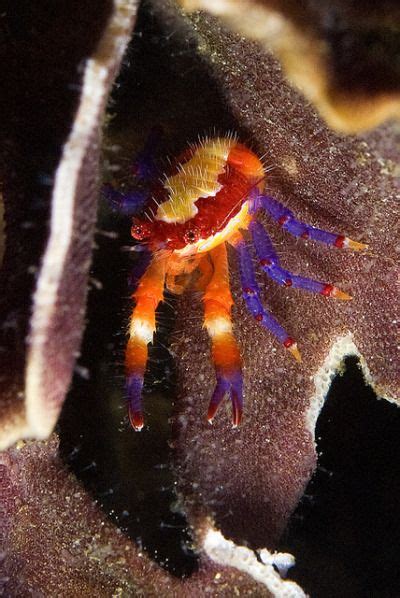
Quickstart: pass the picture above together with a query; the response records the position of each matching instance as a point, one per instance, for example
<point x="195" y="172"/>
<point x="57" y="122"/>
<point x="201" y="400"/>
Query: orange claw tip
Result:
<point x="338" y="294"/>
<point x="355" y="245"/>
<point x="295" y="352"/>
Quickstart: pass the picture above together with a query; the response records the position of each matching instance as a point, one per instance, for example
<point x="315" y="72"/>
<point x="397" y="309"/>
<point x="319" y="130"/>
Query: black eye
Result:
<point x="191" y="236"/>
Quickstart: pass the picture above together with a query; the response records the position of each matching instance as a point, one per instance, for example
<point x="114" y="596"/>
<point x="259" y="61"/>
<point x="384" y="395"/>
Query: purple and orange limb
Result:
<point x="251" y="296"/>
<point x="269" y="262"/>
<point x="287" y="221"/>
<point x="225" y="352"/>
<point x="142" y="326"/>
<point x="144" y="166"/>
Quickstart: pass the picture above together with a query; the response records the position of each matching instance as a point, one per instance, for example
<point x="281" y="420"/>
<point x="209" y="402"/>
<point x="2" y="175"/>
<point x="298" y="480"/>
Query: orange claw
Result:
<point x="355" y="245"/>
<point x="338" y="294"/>
<point x="330" y="290"/>
<point x="295" y="352"/>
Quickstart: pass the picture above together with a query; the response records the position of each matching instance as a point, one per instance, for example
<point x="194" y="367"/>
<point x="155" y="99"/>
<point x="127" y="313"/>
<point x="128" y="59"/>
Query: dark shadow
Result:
<point x="43" y="49"/>
<point x="128" y="473"/>
<point x="345" y="533"/>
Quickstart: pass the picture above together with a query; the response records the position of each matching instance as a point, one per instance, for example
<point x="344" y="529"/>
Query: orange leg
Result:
<point x="142" y="326"/>
<point x="217" y="320"/>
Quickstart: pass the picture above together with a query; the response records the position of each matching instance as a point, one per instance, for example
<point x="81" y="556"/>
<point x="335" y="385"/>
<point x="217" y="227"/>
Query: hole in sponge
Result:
<point x="345" y="533"/>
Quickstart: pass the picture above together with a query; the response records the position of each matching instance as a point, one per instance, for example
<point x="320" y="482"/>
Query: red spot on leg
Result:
<point x="265" y="262"/>
<point x="339" y="241"/>
<point x="327" y="290"/>
<point x="330" y="290"/>
<point x="288" y="342"/>
<point x="291" y="345"/>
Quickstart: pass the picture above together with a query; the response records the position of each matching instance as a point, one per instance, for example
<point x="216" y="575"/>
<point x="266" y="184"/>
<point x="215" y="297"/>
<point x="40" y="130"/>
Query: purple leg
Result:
<point x="138" y="269"/>
<point x="287" y="220"/>
<point x="144" y="166"/>
<point x="231" y="385"/>
<point x="145" y="170"/>
<point x="251" y="295"/>
<point x="270" y="264"/>
<point x="127" y="204"/>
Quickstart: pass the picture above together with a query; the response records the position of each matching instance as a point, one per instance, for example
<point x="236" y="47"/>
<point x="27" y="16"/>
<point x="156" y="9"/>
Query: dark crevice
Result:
<point x="43" y="49"/>
<point x="345" y="533"/>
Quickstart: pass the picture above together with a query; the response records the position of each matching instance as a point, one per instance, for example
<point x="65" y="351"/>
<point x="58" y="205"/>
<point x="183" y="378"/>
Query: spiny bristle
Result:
<point x="199" y="175"/>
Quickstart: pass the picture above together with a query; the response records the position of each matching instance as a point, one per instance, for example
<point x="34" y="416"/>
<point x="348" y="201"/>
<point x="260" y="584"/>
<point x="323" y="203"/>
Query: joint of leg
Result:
<point x="283" y="220"/>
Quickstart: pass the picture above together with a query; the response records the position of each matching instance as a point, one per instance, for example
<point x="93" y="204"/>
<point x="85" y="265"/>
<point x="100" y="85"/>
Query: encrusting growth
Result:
<point x="212" y="193"/>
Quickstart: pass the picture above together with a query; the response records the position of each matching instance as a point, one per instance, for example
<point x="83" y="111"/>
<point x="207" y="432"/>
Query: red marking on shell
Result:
<point x="243" y="170"/>
<point x="246" y="162"/>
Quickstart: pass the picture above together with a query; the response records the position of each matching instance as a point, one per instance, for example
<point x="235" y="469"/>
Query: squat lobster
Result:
<point x="212" y="193"/>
